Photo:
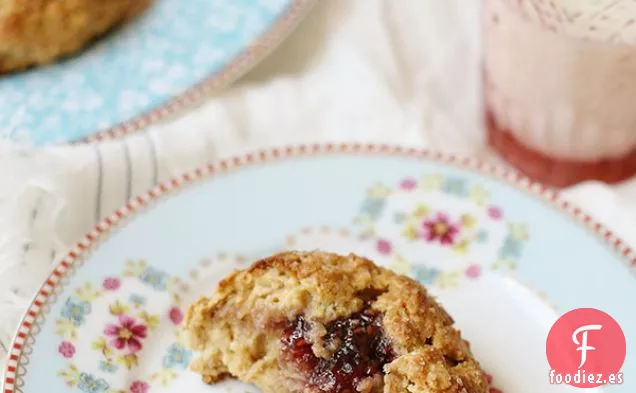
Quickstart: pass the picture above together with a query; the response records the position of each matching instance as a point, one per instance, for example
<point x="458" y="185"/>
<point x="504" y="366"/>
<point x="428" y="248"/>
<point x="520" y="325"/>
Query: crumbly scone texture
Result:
<point x="237" y="331"/>
<point x="34" y="32"/>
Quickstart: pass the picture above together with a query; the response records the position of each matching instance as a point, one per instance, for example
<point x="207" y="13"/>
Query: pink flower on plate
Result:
<point x="408" y="184"/>
<point x="473" y="271"/>
<point x="112" y="284"/>
<point x="176" y="315"/>
<point x="127" y="334"/>
<point x="440" y="229"/>
<point x="66" y="349"/>
<point x="384" y="247"/>
<point x="495" y="213"/>
<point x="139" y="387"/>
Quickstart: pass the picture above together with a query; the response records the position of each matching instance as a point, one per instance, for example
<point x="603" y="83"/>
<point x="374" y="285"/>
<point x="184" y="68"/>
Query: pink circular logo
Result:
<point x="586" y="348"/>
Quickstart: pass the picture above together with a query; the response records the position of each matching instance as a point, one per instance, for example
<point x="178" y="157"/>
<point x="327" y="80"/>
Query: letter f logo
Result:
<point x="583" y="344"/>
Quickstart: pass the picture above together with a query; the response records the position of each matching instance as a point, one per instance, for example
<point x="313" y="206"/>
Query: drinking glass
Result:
<point x="560" y="87"/>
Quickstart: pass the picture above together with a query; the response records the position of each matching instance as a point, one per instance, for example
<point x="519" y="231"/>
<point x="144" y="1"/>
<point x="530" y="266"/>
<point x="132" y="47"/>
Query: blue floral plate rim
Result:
<point x="256" y="52"/>
<point x="25" y="337"/>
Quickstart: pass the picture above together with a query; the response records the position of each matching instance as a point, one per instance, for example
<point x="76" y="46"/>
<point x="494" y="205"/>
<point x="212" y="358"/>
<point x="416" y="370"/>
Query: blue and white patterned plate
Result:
<point x="178" y="48"/>
<point x="510" y="259"/>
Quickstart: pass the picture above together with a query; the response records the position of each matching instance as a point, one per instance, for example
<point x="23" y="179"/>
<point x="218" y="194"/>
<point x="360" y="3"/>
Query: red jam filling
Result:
<point x="361" y="349"/>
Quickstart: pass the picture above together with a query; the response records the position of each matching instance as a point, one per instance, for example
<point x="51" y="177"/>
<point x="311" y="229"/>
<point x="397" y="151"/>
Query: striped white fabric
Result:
<point x="399" y="72"/>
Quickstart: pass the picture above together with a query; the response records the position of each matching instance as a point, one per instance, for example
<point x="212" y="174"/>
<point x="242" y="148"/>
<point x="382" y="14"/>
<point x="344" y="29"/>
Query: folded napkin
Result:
<point x="400" y="72"/>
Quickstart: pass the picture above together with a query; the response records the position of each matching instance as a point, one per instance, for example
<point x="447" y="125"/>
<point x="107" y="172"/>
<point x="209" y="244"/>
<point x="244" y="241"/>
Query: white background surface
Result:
<point x="401" y="72"/>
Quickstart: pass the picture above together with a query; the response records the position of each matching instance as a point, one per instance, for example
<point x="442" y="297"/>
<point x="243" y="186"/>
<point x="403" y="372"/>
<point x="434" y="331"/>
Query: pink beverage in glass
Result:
<point x="560" y="87"/>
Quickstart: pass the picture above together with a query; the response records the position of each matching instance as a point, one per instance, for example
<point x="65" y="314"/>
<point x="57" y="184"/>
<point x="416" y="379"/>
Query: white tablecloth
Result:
<point x="400" y="72"/>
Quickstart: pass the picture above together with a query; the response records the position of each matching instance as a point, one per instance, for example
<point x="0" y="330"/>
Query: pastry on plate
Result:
<point x="34" y="32"/>
<point x="316" y="322"/>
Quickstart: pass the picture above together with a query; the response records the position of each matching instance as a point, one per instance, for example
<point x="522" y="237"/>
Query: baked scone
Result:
<point x="316" y="322"/>
<point x="34" y="32"/>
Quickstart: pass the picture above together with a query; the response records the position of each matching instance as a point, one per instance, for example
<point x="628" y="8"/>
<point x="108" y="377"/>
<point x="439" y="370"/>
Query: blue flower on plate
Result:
<point x="177" y="356"/>
<point x="455" y="186"/>
<point x="511" y="248"/>
<point x="372" y="207"/>
<point x="107" y="367"/>
<point x="75" y="310"/>
<point x="155" y="278"/>
<point x="90" y="384"/>
<point x="137" y="300"/>
<point x="482" y="236"/>
<point x="426" y="275"/>
<point x="399" y="218"/>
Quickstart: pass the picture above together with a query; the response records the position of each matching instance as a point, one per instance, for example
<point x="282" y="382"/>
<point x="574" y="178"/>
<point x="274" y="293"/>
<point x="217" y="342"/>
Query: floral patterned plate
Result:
<point x="166" y="59"/>
<point x="505" y="257"/>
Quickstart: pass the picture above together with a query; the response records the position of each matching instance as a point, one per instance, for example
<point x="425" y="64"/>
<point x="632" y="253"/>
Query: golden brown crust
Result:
<point x="34" y="32"/>
<point x="426" y="371"/>
<point x="431" y="357"/>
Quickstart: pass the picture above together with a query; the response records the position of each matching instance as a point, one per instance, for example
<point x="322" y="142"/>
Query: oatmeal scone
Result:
<point x="34" y="32"/>
<point x="315" y="322"/>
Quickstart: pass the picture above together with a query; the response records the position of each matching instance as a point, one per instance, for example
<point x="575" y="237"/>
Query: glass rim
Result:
<point x="543" y="21"/>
